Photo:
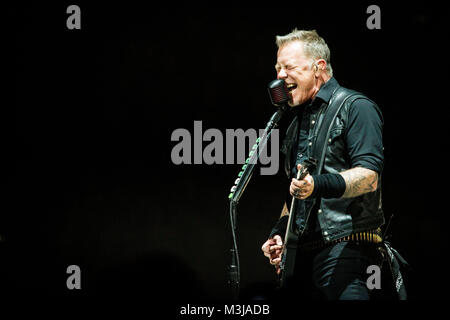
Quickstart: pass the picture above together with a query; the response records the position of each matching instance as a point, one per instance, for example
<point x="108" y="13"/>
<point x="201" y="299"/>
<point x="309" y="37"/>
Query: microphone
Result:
<point x="279" y="93"/>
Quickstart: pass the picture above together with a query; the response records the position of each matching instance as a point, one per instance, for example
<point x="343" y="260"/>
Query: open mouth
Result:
<point x="291" y="87"/>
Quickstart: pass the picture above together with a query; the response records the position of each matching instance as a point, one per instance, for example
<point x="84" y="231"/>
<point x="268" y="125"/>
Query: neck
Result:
<point x="320" y="81"/>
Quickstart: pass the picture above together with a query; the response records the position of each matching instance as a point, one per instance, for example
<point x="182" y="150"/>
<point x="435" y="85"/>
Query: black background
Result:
<point x="89" y="178"/>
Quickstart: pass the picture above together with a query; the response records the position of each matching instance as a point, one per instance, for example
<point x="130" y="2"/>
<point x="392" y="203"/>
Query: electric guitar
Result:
<point x="289" y="251"/>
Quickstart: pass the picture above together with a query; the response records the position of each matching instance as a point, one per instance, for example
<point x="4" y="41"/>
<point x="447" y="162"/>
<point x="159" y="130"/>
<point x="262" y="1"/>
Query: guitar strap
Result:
<point x="325" y="123"/>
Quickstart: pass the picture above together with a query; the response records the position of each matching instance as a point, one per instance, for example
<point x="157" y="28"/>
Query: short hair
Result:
<point x="313" y="45"/>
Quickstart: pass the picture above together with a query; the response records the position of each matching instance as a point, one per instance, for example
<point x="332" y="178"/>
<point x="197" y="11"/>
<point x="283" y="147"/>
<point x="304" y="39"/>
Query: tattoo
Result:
<point x="359" y="181"/>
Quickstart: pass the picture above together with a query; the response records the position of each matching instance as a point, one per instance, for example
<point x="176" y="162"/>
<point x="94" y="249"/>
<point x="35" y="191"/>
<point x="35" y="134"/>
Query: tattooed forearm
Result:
<point x="359" y="181"/>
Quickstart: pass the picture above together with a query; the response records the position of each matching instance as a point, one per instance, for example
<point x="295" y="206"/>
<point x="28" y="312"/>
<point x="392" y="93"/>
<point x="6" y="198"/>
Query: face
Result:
<point x="298" y="72"/>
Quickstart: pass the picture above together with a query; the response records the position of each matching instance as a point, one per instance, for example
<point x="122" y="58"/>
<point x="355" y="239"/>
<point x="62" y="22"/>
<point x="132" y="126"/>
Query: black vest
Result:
<point x="337" y="217"/>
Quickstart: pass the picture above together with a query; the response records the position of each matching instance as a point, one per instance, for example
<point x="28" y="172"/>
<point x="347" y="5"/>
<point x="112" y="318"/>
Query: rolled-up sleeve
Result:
<point x="364" y="135"/>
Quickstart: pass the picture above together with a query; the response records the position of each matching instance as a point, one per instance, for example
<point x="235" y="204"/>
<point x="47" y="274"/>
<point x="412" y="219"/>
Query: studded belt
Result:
<point x="366" y="237"/>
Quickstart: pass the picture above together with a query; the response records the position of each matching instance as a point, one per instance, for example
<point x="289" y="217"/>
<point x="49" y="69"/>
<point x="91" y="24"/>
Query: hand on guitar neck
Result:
<point x="302" y="188"/>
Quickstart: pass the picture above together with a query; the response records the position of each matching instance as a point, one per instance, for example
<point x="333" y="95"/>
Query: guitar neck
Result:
<point x="291" y="236"/>
<point x="300" y="175"/>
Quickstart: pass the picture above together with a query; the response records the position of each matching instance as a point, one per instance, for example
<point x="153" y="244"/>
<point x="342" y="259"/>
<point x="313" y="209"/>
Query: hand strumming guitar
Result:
<point x="272" y="249"/>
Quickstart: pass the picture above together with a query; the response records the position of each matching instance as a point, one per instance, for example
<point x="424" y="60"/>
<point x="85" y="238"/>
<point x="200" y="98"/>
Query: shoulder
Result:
<point x="365" y="108"/>
<point x="361" y="107"/>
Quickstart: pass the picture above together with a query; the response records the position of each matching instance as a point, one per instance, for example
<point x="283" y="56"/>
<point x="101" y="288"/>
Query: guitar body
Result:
<point x="289" y="252"/>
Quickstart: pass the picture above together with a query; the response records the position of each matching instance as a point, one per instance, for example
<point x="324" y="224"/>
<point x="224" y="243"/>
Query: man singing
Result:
<point x="340" y="233"/>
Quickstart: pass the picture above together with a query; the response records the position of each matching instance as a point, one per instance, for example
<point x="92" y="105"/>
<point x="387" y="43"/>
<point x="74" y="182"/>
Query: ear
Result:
<point x="320" y="65"/>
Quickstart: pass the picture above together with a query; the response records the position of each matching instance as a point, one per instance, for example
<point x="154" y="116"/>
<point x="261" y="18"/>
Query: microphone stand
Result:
<point x="237" y="190"/>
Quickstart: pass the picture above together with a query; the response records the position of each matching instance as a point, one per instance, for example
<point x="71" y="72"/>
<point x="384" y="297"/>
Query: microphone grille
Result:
<point x="278" y="92"/>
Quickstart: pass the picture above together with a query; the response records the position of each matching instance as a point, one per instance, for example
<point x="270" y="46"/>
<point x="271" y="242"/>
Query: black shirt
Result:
<point x="363" y="134"/>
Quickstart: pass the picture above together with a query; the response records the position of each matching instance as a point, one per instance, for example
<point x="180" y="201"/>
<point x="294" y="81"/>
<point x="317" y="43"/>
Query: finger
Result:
<point x="278" y="240"/>
<point x="291" y="191"/>
<point x="304" y="195"/>
<point x="276" y="261"/>
<point x="267" y="244"/>
<point x="264" y="248"/>
<point x="309" y="179"/>
<point x="275" y="254"/>
<point x="294" y="191"/>
<point x="297" y="183"/>
<point x="275" y="247"/>
<point x="305" y="183"/>
<point x="276" y="257"/>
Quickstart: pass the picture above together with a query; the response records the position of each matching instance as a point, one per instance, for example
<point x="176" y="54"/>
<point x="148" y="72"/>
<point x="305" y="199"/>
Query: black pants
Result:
<point x="337" y="272"/>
